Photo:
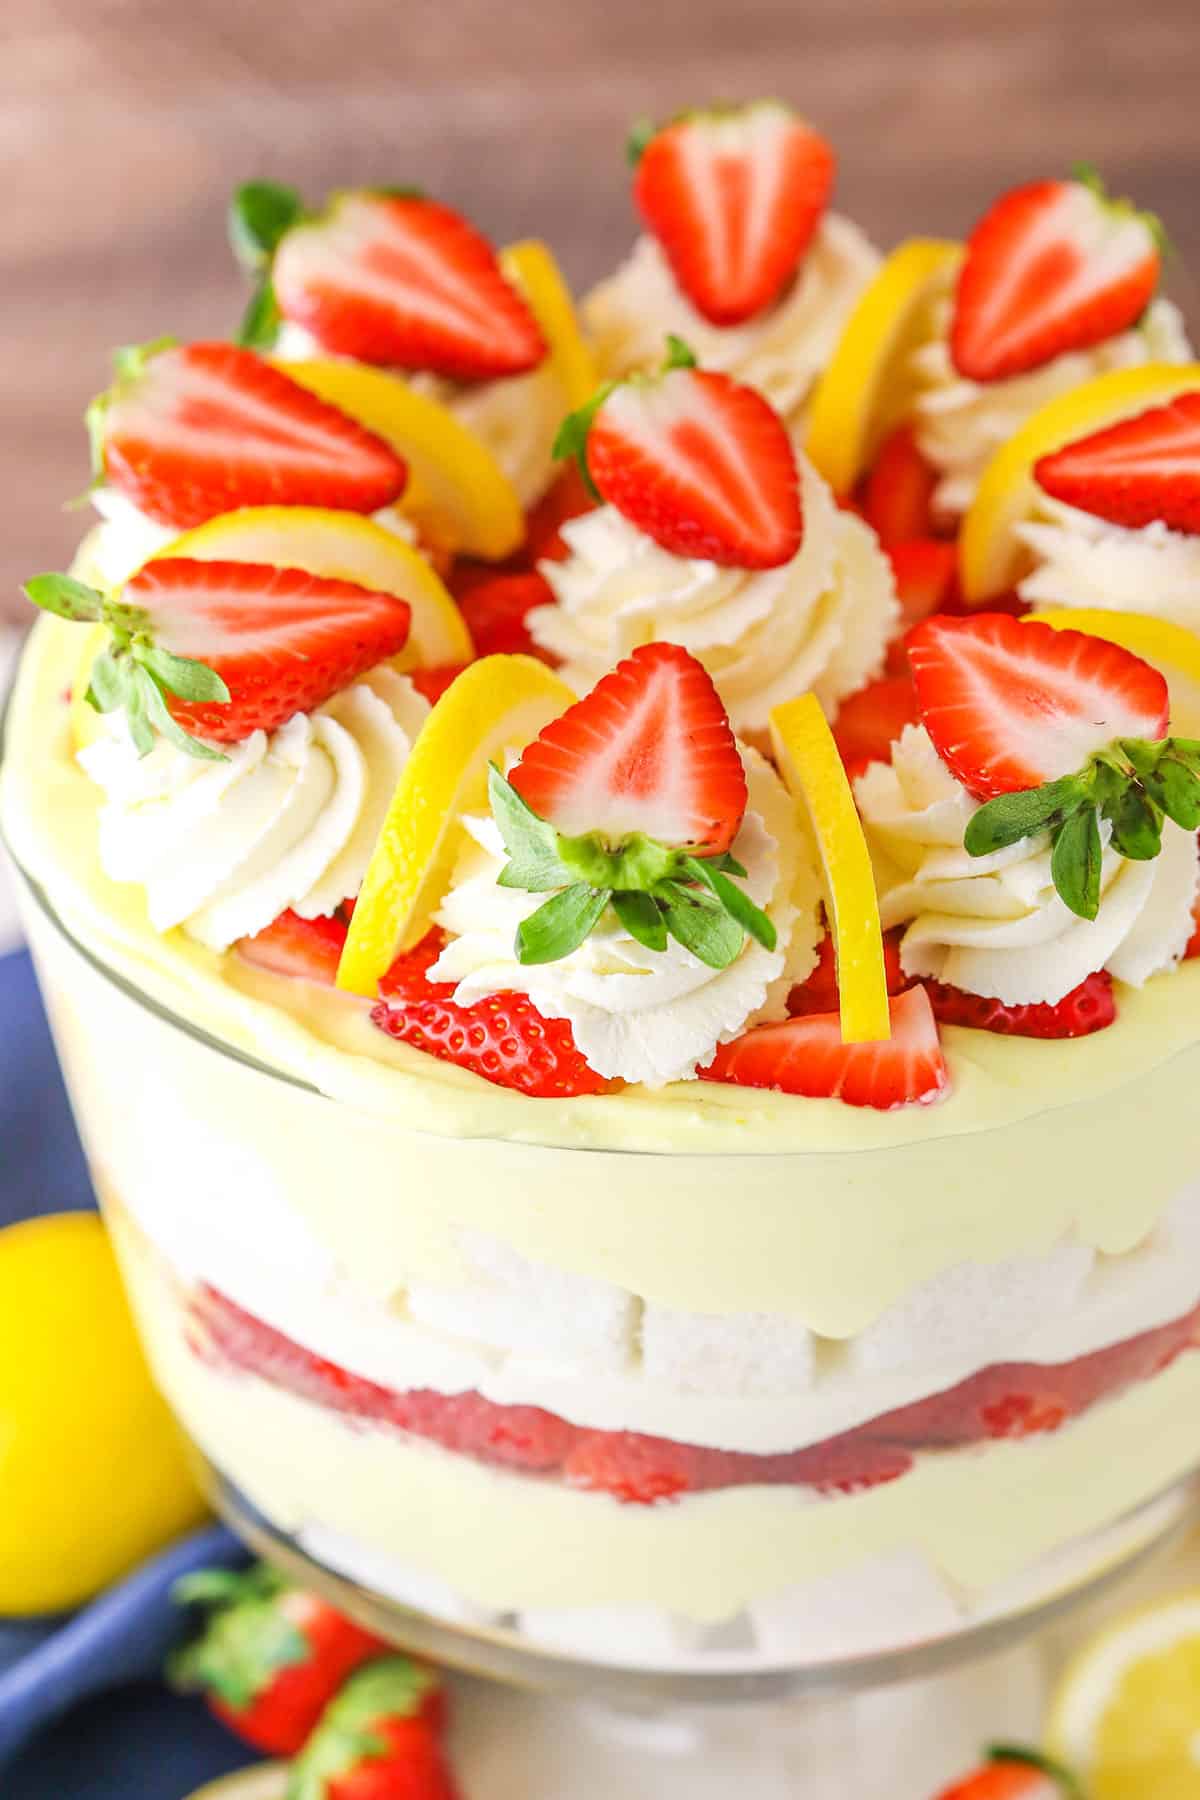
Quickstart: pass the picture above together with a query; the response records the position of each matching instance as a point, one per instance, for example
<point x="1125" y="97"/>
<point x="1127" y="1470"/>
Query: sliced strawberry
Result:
<point x="309" y="949"/>
<point x="869" y="722"/>
<point x="649" y="749"/>
<point x="1087" y="1008"/>
<point x="926" y="572"/>
<point x="1193" y="943"/>
<point x="193" y="430"/>
<point x="807" y="1056"/>
<point x="495" y="610"/>
<point x="640" y="1470"/>
<point x="503" y="1038"/>
<point x="1053" y="267"/>
<point x="269" y="1657"/>
<point x="1138" y="471"/>
<point x="522" y="1437"/>
<point x="820" y="993"/>
<point x="283" y="641"/>
<point x="734" y="197"/>
<point x="1011" y="705"/>
<point x="898" y="494"/>
<point x="567" y="498"/>
<point x="699" y="463"/>
<point x="406" y="282"/>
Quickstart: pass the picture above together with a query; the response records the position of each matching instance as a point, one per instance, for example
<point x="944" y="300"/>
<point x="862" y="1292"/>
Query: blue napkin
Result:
<point x="82" y="1712"/>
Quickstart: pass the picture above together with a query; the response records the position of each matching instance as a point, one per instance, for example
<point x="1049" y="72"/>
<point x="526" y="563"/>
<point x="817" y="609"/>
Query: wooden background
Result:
<point x="125" y="123"/>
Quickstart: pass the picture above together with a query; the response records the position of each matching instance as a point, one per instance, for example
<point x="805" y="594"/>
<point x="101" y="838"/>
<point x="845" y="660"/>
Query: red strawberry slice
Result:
<point x="1087" y="1008"/>
<point x="702" y="465"/>
<point x="567" y="498"/>
<point x="495" y="610"/>
<point x="926" y="571"/>
<point x="503" y="1038"/>
<point x="405" y="282"/>
<point x="807" y="1056"/>
<point x="649" y="749"/>
<point x="898" y="494"/>
<point x="1054" y="266"/>
<point x="820" y="992"/>
<point x="640" y="1470"/>
<point x="309" y="949"/>
<point x="734" y="197"/>
<point x="1011" y="705"/>
<point x="282" y="640"/>
<point x="1135" y="472"/>
<point x="199" y="429"/>
<point x="869" y="722"/>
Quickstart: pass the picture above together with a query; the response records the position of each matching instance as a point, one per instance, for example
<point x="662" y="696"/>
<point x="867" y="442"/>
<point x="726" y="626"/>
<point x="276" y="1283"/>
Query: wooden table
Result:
<point x="125" y="123"/>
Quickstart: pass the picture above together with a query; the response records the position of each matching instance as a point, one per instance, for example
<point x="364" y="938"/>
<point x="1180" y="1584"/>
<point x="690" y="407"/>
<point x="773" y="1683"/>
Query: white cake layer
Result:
<point x="757" y="1383"/>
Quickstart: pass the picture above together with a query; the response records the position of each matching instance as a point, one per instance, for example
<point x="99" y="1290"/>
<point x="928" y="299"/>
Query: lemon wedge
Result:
<point x="458" y="496"/>
<point x="991" y="558"/>
<point x="499" y="703"/>
<point x="1126" y="1715"/>
<point x="531" y="268"/>
<point x="262" y="1781"/>
<point x="809" y="762"/>
<point x="868" y="386"/>
<point x="345" y="547"/>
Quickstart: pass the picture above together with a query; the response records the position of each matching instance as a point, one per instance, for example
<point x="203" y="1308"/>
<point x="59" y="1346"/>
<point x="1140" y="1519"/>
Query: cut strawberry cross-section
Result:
<point x="222" y="649"/>
<point x="807" y="1056"/>
<point x="386" y="277"/>
<point x="1062" y="733"/>
<point x="1133" y="473"/>
<point x="734" y="196"/>
<point x="192" y="430"/>
<point x="699" y="463"/>
<point x="1054" y="266"/>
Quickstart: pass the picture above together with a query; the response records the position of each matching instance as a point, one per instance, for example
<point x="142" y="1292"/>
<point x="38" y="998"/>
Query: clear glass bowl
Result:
<point x="224" y="1179"/>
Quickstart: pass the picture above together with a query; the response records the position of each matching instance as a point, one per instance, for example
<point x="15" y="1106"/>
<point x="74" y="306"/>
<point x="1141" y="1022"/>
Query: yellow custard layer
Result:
<point x="767" y="1202"/>
<point x="978" y="1516"/>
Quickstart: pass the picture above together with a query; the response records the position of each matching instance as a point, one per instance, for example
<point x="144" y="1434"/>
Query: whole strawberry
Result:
<point x="1014" y="1774"/>
<point x="376" y="1741"/>
<point x="270" y="1657"/>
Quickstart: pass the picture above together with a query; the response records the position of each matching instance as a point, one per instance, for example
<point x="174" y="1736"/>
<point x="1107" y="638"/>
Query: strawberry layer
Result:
<point x="1008" y="1400"/>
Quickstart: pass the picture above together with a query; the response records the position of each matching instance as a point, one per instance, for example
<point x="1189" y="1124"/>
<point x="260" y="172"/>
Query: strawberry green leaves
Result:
<point x="260" y="215"/>
<point x="133" y="674"/>
<point x="656" y="892"/>
<point x="1131" y="787"/>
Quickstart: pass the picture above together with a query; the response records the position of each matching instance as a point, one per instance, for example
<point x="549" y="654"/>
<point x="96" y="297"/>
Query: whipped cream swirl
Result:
<point x="1082" y="561"/>
<point x="994" y="924"/>
<point x="781" y="353"/>
<point x="642" y="1015"/>
<point x="516" y="416"/>
<point x="821" y="621"/>
<point x="288" y="820"/>
<point x="961" y="424"/>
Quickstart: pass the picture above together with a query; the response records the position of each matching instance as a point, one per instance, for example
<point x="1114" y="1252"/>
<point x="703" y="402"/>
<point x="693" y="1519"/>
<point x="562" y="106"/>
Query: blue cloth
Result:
<point x="81" y="1694"/>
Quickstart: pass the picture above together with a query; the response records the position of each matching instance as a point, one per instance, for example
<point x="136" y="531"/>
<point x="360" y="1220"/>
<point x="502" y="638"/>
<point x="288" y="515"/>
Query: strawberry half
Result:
<point x="897" y="496"/>
<point x="269" y="1657"/>
<point x="405" y="282"/>
<point x="1011" y="705"/>
<point x="807" y="1056"/>
<point x="1133" y="473"/>
<point x="648" y="750"/>
<point x="192" y="430"/>
<point x="701" y="464"/>
<point x="1054" y="266"/>
<point x="305" y="949"/>
<point x="869" y="721"/>
<point x="217" y="650"/>
<point x="734" y="196"/>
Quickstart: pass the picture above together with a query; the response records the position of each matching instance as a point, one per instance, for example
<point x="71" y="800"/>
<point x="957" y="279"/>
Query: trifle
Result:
<point x="647" y="1153"/>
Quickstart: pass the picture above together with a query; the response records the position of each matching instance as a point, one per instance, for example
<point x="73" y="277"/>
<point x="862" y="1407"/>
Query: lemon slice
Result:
<point x="991" y="558"/>
<point x="458" y="496"/>
<point x="263" y="1781"/>
<point x="868" y="386"/>
<point x="808" y="759"/>
<point x="1126" y="1715"/>
<point x="531" y="268"/>
<point x="345" y="547"/>
<point x="499" y="703"/>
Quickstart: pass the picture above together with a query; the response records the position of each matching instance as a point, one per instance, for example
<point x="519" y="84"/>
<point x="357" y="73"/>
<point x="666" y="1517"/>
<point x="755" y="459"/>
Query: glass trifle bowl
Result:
<point x="689" y="1392"/>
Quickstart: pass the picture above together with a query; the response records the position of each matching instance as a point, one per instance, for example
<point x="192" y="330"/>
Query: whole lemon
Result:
<point x="93" y="1475"/>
